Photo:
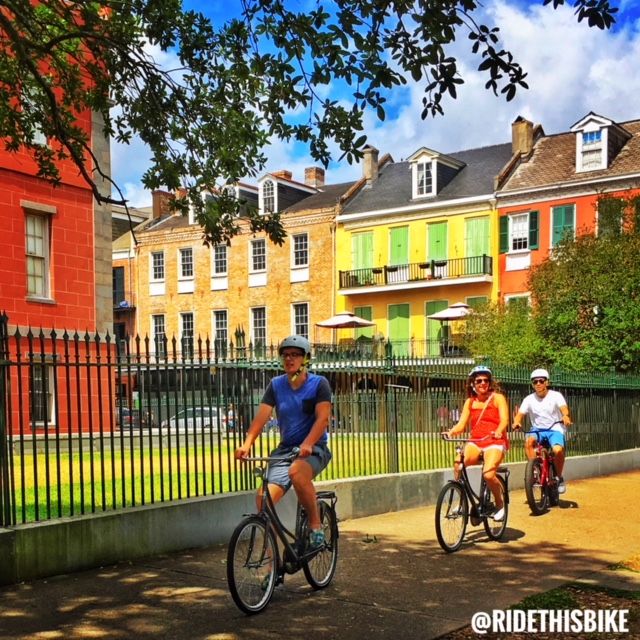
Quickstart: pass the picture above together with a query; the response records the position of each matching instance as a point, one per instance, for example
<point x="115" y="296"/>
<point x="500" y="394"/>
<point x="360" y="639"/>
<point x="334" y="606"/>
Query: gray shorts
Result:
<point x="279" y="471"/>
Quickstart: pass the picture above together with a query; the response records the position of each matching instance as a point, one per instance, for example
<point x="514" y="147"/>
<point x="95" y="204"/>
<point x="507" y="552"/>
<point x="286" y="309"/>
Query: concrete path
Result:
<point x="393" y="580"/>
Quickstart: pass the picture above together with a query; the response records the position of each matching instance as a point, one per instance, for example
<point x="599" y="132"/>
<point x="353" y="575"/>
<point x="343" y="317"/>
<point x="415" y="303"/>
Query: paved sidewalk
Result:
<point x="393" y="580"/>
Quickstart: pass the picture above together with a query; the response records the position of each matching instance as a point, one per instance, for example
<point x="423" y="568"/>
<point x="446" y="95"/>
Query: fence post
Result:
<point x="5" y="488"/>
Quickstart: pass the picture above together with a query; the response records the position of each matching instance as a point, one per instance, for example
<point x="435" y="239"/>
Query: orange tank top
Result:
<point x="485" y="419"/>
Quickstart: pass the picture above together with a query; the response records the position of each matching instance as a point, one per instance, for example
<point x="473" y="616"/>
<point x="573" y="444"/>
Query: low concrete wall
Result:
<point x="71" y="544"/>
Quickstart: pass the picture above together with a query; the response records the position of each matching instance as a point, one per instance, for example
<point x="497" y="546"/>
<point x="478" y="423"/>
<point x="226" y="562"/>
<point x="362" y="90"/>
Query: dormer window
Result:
<point x="592" y="151"/>
<point x="268" y="197"/>
<point x="424" y="186"/>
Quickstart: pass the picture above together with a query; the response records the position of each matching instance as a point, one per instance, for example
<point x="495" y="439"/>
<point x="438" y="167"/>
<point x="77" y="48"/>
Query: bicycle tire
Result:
<point x="452" y="515"/>
<point x="252" y="564"/>
<point x="320" y="569"/>
<point x="552" y="486"/>
<point x="536" y="493"/>
<point x="495" y="529"/>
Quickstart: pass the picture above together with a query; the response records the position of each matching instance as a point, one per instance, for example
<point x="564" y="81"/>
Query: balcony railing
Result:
<point x="417" y="272"/>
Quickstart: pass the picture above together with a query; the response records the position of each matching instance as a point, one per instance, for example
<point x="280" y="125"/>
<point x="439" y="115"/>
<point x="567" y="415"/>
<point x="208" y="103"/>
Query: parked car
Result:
<point x="193" y="418"/>
<point x="134" y="418"/>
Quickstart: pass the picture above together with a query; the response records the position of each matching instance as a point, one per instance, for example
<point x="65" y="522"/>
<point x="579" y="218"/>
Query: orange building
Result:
<point x="553" y="187"/>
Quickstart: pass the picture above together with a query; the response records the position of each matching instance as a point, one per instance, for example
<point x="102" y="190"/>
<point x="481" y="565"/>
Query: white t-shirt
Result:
<point x="543" y="412"/>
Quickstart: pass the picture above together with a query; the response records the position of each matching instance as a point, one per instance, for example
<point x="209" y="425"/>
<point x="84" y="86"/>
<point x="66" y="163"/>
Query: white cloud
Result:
<point x="572" y="69"/>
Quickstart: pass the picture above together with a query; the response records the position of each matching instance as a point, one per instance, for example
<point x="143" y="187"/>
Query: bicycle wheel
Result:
<point x="536" y="493"/>
<point x="252" y="565"/>
<point x="494" y="528"/>
<point x="319" y="569"/>
<point x="552" y="487"/>
<point x="452" y="514"/>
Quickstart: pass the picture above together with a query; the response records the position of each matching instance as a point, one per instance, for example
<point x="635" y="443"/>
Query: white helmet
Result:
<point x="539" y="373"/>
<point x="297" y="342"/>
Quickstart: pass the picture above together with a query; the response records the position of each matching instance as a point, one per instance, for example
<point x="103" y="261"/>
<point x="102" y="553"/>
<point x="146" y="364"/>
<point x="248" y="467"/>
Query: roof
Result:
<point x="393" y="187"/>
<point x="328" y="196"/>
<point x="553" y="162"/>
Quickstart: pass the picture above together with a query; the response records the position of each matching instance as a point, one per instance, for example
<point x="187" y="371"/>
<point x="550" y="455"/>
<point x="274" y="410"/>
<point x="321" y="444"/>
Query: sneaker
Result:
<point x="316" y="538"/>
<point x="562" y="487"/>
<point x="456" y="512"/>
<point x="498" y="516"/>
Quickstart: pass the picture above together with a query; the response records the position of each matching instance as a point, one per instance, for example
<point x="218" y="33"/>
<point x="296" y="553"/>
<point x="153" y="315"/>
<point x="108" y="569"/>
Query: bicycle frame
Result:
<point x="544" y="452"/>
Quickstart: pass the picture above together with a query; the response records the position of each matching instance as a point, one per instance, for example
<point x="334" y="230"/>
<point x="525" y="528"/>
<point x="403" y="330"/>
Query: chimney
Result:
<point x="521" y="136"/>
<point x="314" y="177"/>
<point x="370" y="164"/>
<point x="283" y="173"/>
<point x="160" y="203"/>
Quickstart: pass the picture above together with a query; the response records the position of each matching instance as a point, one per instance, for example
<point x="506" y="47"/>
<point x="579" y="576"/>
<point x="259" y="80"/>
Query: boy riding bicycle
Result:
<point x="549" y="416"/>
<point x="302" y="401"/>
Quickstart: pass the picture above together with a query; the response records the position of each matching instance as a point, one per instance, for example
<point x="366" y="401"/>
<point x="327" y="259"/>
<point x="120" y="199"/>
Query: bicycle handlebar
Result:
<point x="295" y="452"/>
<point x="446" y="438"/>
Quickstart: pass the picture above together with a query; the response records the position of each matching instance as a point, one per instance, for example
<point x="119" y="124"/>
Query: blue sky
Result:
<point x="572" y="70"/>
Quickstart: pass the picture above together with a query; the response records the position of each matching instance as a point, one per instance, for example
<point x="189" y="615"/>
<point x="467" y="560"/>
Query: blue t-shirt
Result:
<point x="296" y="408"/>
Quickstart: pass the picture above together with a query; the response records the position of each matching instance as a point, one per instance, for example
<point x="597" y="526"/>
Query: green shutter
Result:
<point x="367" y="314"/>
<point x="399" y="249"/>
<point x="434" y="327"/>
<point x="437" y="232"/>
<point x="362" y="250"/>
<point x="504" y="234"/>
<point x="533" y="230"/>
<point x="476" y="237"/>
<point x="563" y="223"/>
<point x="399" y="334"/>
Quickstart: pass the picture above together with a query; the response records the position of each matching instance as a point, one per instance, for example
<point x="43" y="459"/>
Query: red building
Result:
<point x="555" y="185"/>
<point x="55" y="275"/>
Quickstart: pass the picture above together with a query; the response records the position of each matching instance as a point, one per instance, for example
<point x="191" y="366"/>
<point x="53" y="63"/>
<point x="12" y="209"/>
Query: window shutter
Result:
<point x="533" y="230"/>
<point x="504" y="234"/>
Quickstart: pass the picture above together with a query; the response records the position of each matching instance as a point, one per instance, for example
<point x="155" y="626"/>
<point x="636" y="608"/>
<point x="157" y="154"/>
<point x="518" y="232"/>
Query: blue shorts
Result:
<point x="279" y="471"/>
<point x="556" y="438"/>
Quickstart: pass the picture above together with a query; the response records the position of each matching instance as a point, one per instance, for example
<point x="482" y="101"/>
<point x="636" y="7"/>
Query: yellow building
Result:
<point x="417" y="237"/>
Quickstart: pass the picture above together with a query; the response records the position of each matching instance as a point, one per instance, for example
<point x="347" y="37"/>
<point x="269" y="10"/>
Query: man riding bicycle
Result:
<point x="302" y="401"/>
<point x="549" y="416"/>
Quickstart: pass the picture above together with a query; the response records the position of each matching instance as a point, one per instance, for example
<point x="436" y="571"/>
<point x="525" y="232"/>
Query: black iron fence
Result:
<point x="89" y="425"/>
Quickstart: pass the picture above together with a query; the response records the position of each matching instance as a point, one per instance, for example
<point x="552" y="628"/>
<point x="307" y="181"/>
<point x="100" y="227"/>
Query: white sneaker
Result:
<point x="498" y="516"/>
<point x="562" y="487"/>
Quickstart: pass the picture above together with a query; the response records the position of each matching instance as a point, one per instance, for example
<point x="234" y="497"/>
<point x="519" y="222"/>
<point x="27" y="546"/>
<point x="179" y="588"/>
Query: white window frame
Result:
<point x="217" y="328"/>
<point x="38" y="255"/>
<point x="297" y="327"/>
<point x="586" y="147"/>
<point x="420" y="190"/>
<point x="160" y="347"/>
<point x="186" y="264"/>
<point x="152" y="267"/>
<point x="254" y="255"/>
<point x="254" y="339"/>
<point x="268" y="196"/>
<point x="300" y="252"/>
<point x="218" y="260"/>
<point x="525" y="217"/>
<point x="36" y="390"/>
<point x="188" y="353"/>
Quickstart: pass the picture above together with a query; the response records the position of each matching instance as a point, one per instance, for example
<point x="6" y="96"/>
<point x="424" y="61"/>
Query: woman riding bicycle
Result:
<point x="302" y="401"/>
<point x="487" y="411"/>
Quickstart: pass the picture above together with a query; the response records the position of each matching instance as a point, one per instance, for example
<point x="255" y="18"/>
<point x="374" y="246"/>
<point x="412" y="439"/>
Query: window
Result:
<point x="563" y="223"/>
<point x="367" y="314"/>
<point x="259" y="328"/>
<point x="118" y="286"/>
<point x="41" y="395"/>
<point x="220" y="331"/>
<point x="259" y="255"/>
<point x="186" y="263"/>
<point x="157" y="266"/>
<point x="220" y="260"/>
<point x="610" y="216"/>
<point x="186" y="334"/>
<point x="519" y="232"/>
<point x="37" y="255"/>
<point x="301" y="250"/>
<point x="477" y="302"/>
<point x="424" y="182"/>
<point x="159" y="336"/>
<point x="29" y="105"/>
<point x="301" y="319"/>
<point x="591" y="149"/>
<point x="268" y="197"/>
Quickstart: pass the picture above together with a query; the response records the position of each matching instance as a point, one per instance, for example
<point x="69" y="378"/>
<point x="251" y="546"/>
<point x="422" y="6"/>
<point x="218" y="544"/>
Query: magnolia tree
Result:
<point x="235" y="85"/>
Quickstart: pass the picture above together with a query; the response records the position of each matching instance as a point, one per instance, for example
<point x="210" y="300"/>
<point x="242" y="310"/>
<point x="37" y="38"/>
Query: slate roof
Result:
<point x="553" y="161"/>
<point x="328" y="197"/>
<point x="393" y="188"/>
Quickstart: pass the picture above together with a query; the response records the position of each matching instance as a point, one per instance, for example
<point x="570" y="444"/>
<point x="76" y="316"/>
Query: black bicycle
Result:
<point x="256" y="563"/>
<point x="458" y="504"/>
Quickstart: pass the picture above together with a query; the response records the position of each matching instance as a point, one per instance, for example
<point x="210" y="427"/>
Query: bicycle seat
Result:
<point x="326" y="495"/>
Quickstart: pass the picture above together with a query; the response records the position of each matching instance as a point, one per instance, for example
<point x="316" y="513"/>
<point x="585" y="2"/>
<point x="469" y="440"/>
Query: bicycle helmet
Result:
<point x="478" y="370"/>
<point x="296" y="342"/>
<point x="539" y="373"/>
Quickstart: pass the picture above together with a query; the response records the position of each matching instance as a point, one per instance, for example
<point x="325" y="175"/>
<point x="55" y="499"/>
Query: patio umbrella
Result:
<point x="457" y="311"/>
<point x="345" y="320"/>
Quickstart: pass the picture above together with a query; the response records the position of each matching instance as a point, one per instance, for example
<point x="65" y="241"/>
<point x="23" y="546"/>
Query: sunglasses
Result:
<point x="538" y="381"/>
<point x="481" y="381"/>
<point x="291" y="354"/>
